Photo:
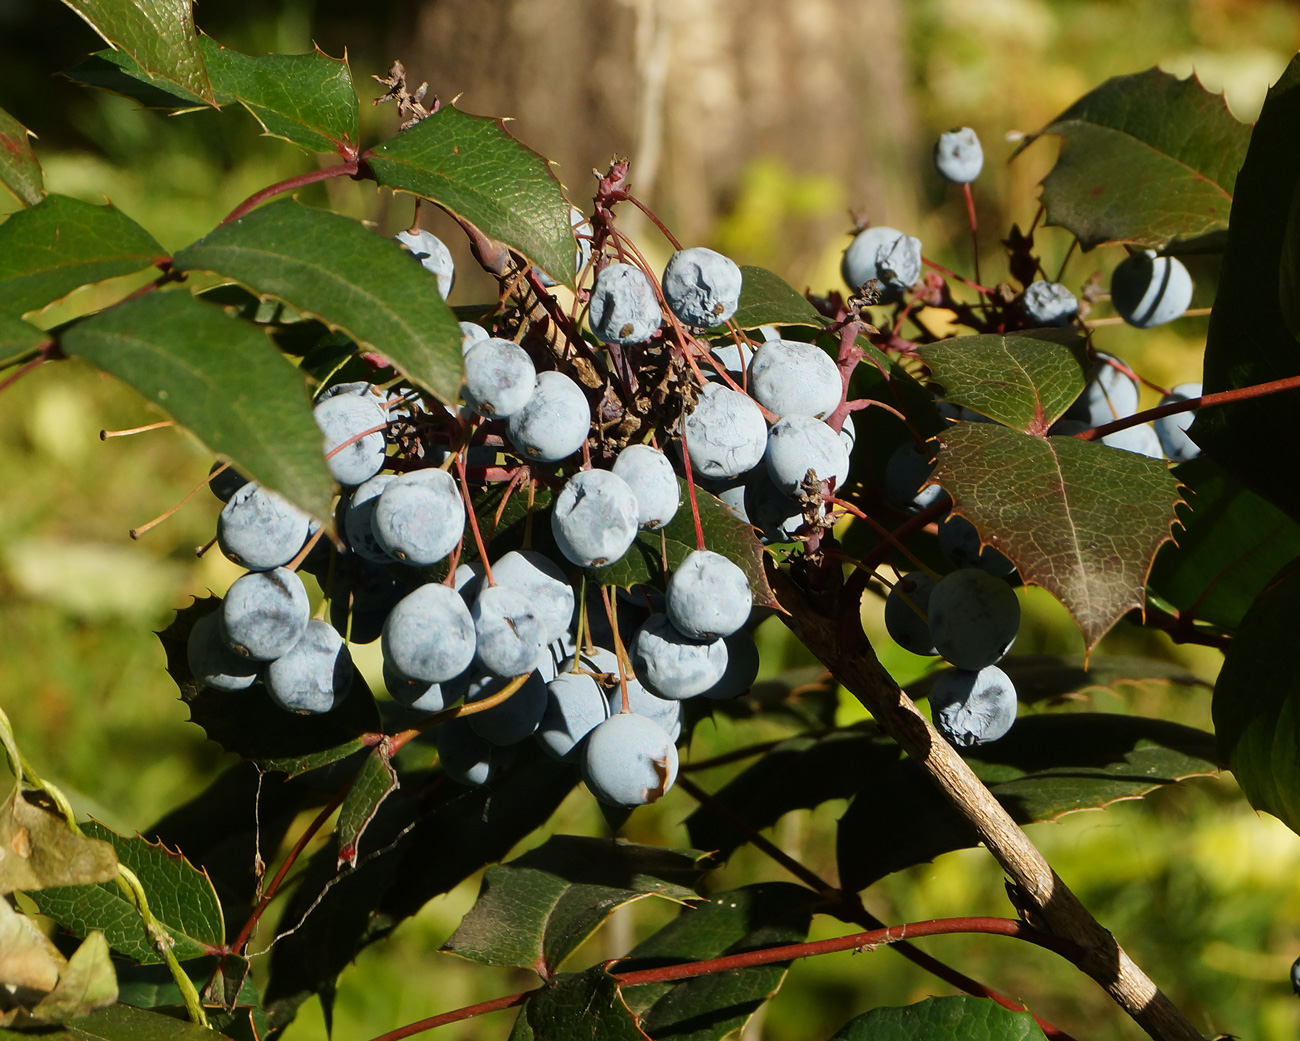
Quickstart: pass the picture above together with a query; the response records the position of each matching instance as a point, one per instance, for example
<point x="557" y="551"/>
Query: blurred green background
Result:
<point x="754" y="128"/>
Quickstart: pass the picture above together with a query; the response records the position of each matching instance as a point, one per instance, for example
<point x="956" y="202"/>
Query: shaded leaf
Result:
<point x="539" y="908"/>
<point x="157" y="34"/>
<point x="38" y="849"/>
<point x="327" y="266"/>
<point x="768" y="299"/>
<point x="219" y="377"/>
<point x="20" y="173"/>
<point x="61" y="244"/>
<point x="180" y="897"/>
<point x="18" y="339"/>
<point x="1079" y="518"/>
<point x="375" y="782"/>
<point x="941" y="1019"/>
<point x="1046" y="767"/>
<point x="1026" y="379"/>
<point x="118" y="72"/>
<point x="122" y="1023"/>
<point x="87" y="983"/>
<point x="581" y="1006"/>
<point x="472" y="167"/>
<point x="1146" y="158"/>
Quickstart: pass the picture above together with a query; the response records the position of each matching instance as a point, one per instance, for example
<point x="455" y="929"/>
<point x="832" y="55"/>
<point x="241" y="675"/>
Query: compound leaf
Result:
<point x="180" y="897"/>
<point x="472" y="167"/>
<point x="61" y="244"/>
<point x="376" y="781"/>
<point x="768" y="299"/>
<point x="20" y="173"/>
<point x="940" y="1019"/>
<point x="580" y="1006"/>
<point x="539" y="908"/>
<point x="222" y="379"/>
<point x="1079" y="518"/>
<point x="1146" y="158"/>
<point x="1025" y="380"/>
<point x="328" y="266"/>
<point x="38" y="850"/>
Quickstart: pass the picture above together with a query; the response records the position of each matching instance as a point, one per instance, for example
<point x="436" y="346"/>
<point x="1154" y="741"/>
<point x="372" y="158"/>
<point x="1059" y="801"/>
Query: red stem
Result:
<point x="41" y="358"/>
<point x="348" y="169"/>
<point x="974" y="225"/>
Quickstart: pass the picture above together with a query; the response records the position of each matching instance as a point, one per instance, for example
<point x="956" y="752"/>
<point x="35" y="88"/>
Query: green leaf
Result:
<point x="539" y="908"/>
<point x="220" y="378"/>
<point x="327" y="266"/>
<point x="1025" y="380"/>
<point x="87" y="983"/>
<point x="18" y="339"/>
<point x="40" y="850"/>
<point x="180" y="897"/>
<point x="1047" y="766"/>
<point x="472" y="167"/>
<point x="118" y="72"/>
<point x="1257" y="702"/>
<point x="1249" y="340"/>
<point x="708" y="1008"/>
<point x="941" y="1019"/>
<point x="20" y="173"/>
<point x="157" y="34"/>
<point x="1146" y="158"/>
<point x="768" y="299"/>
<point x="121" y="1023"/>
<point x="581" y="1006"/>
<point x="1231" y="543"/>
<point x="375" y="782"/>
<point x="61" y="244"/>
<point x="1079" y="518"/>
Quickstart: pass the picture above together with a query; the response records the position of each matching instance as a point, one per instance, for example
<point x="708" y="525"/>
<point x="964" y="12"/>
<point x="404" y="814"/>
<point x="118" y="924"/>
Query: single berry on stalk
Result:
<point x="595" y="518"/>
<point x="973" y="708"/>
<point x="884" y="255"/>
<point x="958" y="156"/>
<point x="624" y="308"/>
<point x="629" y="761"/>
<point x="433" y="254"/>
<point x="701" y="287"/>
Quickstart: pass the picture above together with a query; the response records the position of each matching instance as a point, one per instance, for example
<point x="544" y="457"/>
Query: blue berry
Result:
<point x="960" y="542"/>
<point x="974" y="618"/>
<point x="791" y="377"/>
<point x="673" y="665"/>
<point x="575" y="705"/>
<point x="265" y="613"/>
<point x="973" y="708"/>
<point x="797" y="444"/>
<point x="908" y="469"/>
<point x="1108" y="395"/>
<point x="725" y="434"/>
<point x="555" y="421"/>
<point x="650" y="475"/>
<point x="541" y="582"/>
<point x="1049" y="303"/>
<point x="509" y="635"/>
<point x="906" y="610"/>
<point x="211" y="660"/>
<point x="420" y="517"/>
<point x="708" y="596"/>
<point x="429" y="635"/>
<point x="430" y="251"/>
<point x="594" y="519"/>
<point x="358" y="516"/>
<point x="741" y="671"/>
<point x="701" y="287"/>
<point x="499" y="378"/>
<point x="1141" y="440"/>
<point x="884" y="255"/>
<point x="416" y="694"/>
<point x="514" y="719"/>
<point x="624" y="308"/>
<point x="467" y="758"/>
<point x="629" y="761"/>
<point x="471" y="333"/>
<point x="259" y="530"/>
<point x="1172" y="430"/>
<point x="958" y="157"/>
<point x="314" y="675"/>
<point x="1148" y="290"/>
<point x="226" y="483"/>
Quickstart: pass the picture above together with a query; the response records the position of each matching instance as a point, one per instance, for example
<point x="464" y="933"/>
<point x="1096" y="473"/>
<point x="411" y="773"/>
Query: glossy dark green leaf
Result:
<point x="1026" y="379"/>
<point x="798" y="774"/>
<point x="472" y="167"/>
<point x="1079" y="518"/>
<point x="1230" y="543"/>
<point x="43" y="850"/>
<point x="157" y="34"/>
<point x="1046" y="767"/>
<point x="1146" y="158"/>
<point x="327" y="266"/>
<point x="709" y="1008"/>
<point x="376" y="781"/>
<point x="768" y="299"/>
<point x="942" y="1019"/>
<point x="180" y="897"/>
<point x="20" y="173"/>
<point x="1257" y="702"/>
<point x="121" y="1023"/>
<point x="61" y="244"/>
<point x="536" y="910"/>
<point x="580" y="1006"/>
<point x="18" y="339"/>
<point x="118" y="72"/>
<point x="1249" y="340"/>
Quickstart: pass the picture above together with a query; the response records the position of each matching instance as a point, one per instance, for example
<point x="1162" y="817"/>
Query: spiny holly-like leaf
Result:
<point x="222" y="379"/>
<point x="1249" y="340"/>
<point x="41" y="850"/>
<point x="122" y="1023"/>
<point x="18" y="339"/>
<point x="61" y="244"/>
<point x="472" y="167"/>
<point x="539" y="908"/>
<point x="157" y="34"/>
<point x="709" y="1008"/>
<point x="1079" y="518"/>
<point x="942" y="1019"/>
<point x="180" y="897"/>
<point x="118" y="72"/>
<point x="1257" y="702"/>
<point x="1146" y="158"/>
<point x="327" y="266"/>
<point x="1230" y="544"/>
<point x="1026" y="380"/>
<point x="1046" y="767"/>
<point x="376" y="781"/>
<point x="768" y="299"/>
<point x="579" y="1006"/>
<point x="20" y="173"/>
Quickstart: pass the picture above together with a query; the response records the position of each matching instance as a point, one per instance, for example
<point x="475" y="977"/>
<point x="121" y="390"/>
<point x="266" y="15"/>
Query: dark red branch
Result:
<point x="349" y="169"/>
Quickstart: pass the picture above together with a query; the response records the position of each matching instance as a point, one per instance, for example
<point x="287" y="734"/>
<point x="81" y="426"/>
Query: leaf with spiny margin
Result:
<point x="1048" y="677"/>
<point x="157" y="34"/>
<point x="1231" y="544"/>
<point x="768" y="299"/>
<point x="1257" y="702"/>
<point x="18" y="339"/>
<point x="1249" y="340"/>
<point x="1025" y="380"/>
<point x="942" y="1019"/>
<point x="222" y="379"/>
<point x="1046" y="767"/>
<point x="180" y="897"/>
<point x="800" y="773"/>
<point x="1145" y="158"/>
<point x="122" y="1023"/>
<point x="61" y="244"/>
<point x="1079" y="518"/>
<point x="709" y="1008"/>
<point x="578" y="1006"/>
<point x="328" y="266"/>
<point x="39" y="850"/>
<point x="250" y="724"/>
<point x="375" y="782"/>
<point x="536" y="910"/>
<point x="20" y="173"/>
<point x="472" y="167"/>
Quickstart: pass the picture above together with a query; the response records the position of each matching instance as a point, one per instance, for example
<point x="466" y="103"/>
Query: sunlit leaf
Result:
<point x="375" y="782"/>
<point x="768" y="299"/>
<point x="20" y="173"/>
<point x="942" y="1019"/>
